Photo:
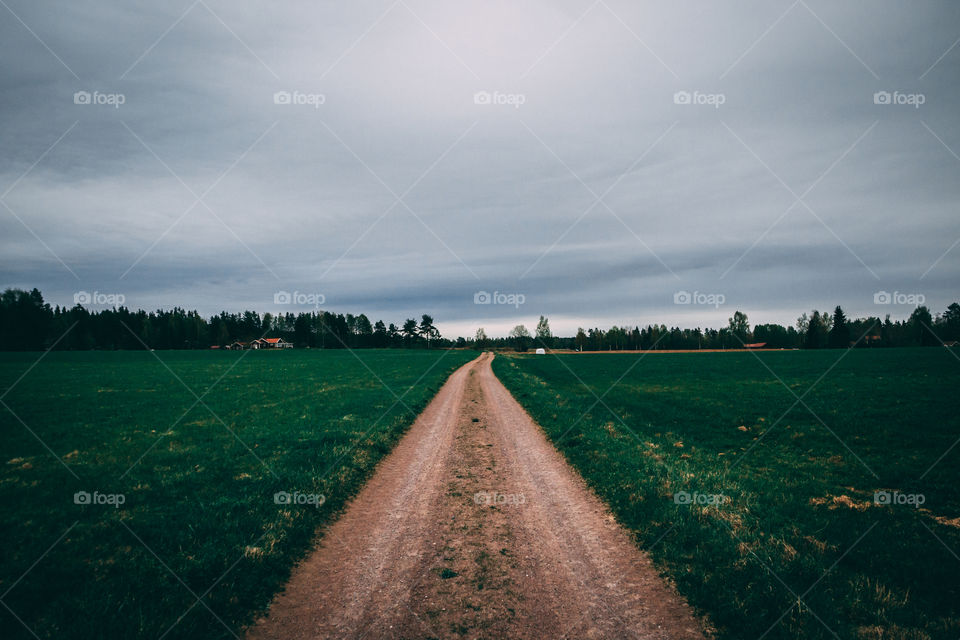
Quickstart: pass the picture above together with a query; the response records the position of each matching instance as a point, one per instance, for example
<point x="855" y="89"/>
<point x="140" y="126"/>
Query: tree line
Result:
<point x="27" y="323"/>
<point x="816" y="330"/>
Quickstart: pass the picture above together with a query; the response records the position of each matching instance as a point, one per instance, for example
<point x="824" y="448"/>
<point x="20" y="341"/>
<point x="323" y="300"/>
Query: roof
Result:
<point x="755" y="345"/>
<point x="273" y="340"/>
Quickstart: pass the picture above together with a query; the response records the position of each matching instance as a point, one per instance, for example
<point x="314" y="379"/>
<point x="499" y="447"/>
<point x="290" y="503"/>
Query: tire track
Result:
<point x="475" y="527"/>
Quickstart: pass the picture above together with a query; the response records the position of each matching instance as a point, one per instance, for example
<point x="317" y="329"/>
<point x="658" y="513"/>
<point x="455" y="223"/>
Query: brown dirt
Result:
<point x="475" y="527"/>
<point x="616" y="351"/>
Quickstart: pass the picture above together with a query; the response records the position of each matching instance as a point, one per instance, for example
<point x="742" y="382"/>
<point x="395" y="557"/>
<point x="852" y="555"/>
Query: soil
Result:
<point x="476" y="527"/>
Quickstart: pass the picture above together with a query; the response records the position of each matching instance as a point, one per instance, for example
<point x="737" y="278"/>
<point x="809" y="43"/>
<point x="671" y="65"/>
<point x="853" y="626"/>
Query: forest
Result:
<point x="27" y="323"/>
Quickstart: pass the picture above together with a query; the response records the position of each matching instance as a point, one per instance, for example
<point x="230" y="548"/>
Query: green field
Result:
<point x="797" y="547"/>
<point x="197" y="478"/>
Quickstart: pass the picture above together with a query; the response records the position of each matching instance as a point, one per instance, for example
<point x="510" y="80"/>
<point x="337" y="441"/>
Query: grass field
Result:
<point x="199" y="542"/>
<point x="777" y="534"/>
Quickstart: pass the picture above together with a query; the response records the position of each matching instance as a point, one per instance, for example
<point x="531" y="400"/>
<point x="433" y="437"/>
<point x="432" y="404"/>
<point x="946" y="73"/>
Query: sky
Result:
<point x="598" y="162"/>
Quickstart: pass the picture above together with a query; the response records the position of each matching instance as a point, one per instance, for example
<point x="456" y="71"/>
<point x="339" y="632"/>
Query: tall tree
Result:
<point x="394" y="337"/>
<point x="364" y="331"/>
<point x="25" y="320"/>
<point x="521" y="337"/>
<point x="581" y="339"/>
<point x="951" y="318"/>
<point x="840" y="332"/>
<point x="816" y="331"/>
<point x="921" y="327"/>
<point x="303" y="331"/>
<point x="380" y="336"/>
<point x="266" y="326"/>
<point x="740" y="327"/>
<point x="544" y="336"/>
<point x="480" y="339"/>
<point x="427" y="330"/>
<point x="409" y="331"/>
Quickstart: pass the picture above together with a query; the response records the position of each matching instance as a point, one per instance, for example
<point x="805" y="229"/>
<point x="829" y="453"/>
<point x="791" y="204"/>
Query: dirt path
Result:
<point x="475" y="527"/>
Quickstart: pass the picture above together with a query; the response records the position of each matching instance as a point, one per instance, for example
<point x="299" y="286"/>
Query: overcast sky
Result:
<point x="593" y="160"/>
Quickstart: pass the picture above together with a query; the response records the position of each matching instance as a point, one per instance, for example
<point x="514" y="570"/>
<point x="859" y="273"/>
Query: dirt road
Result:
<point x="475" y="527"/>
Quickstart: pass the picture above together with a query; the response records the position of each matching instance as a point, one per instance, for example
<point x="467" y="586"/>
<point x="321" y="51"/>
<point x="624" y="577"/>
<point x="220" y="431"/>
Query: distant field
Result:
<point x="198" y="494"/>
<point x="796" y="548"/>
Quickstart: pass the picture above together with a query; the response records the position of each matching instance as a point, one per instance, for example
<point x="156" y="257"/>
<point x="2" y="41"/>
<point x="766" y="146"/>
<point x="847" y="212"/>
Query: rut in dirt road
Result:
<point x="475" y="527"/>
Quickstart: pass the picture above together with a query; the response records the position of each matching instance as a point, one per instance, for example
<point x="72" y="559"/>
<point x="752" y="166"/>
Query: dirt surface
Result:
<point x="475" y="527"/>
<point x="655" y="351"/>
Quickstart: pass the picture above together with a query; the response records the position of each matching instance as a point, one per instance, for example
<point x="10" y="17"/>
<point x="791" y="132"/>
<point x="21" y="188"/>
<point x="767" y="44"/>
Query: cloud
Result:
<point x="578" y="177"/>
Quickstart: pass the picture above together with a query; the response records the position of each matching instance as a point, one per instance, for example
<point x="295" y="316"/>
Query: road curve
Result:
<point x="474" y="527"/>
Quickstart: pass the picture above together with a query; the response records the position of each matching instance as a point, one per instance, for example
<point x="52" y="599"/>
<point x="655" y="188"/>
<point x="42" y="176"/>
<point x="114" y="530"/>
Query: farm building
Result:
<point x="270" y="343"/>
<point x="263" y="343"/>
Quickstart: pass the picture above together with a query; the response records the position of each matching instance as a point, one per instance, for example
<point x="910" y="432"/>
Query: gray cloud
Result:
<point x="494" y="197"/>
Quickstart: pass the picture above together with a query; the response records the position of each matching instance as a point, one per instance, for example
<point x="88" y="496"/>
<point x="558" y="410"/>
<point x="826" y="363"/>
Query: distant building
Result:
<point x="755" y="345"/>
<point x="270" y="343"/>
<point x="259" y="343"/>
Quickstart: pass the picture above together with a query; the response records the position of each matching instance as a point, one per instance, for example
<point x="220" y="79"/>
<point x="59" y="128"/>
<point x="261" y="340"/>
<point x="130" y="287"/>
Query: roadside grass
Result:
<point x="797" y="547"/>
<point x="199" y="544"/>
